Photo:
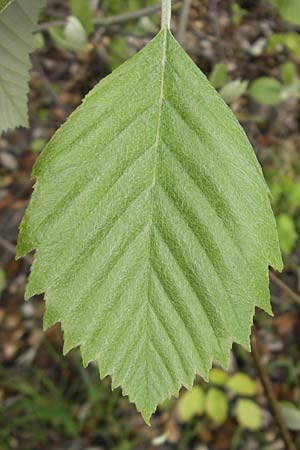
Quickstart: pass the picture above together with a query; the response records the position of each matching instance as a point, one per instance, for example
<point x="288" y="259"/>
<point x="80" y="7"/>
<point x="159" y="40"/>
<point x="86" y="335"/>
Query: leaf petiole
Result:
<point x="166" y="14"/>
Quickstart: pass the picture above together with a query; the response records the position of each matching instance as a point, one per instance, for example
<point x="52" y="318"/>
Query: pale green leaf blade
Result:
<point x="17" y="23"/>
<point x="216" y="406"/>
<point x="190" y="404"/>
<point x="291" y="415"/>
<point x="233" y="90"/>
<point x="241" y="384"/>
<point x="218" y="377"/>
<point x="153" y="227"/>
<point x="288" y="9"/>
<point x="218" y="75"/>
<point x="249" y="414"/>
<point x="266" y="90"/>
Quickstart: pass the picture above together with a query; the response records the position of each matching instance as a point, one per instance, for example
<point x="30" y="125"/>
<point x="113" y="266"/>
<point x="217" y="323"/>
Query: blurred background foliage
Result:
<point x="117" y="6"/>
<point x="251" y="53"/>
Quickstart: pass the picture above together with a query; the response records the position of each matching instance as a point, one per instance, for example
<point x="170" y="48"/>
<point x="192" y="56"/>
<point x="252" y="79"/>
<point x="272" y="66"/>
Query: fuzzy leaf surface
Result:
<point x="17" y="22"/>
<point x="152" y="227"/>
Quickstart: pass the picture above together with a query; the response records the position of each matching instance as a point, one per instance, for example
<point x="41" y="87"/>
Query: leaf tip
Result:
<point x="146" y="414"/>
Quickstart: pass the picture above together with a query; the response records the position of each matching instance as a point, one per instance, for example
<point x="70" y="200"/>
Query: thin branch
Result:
<point x="116" y="19"/>
<point x="46" y="25"/>
<point x="285" y="288"/>
<point x="133" y="15"/>
<point x="183" y="20"/>
<point x="271" y="397"/>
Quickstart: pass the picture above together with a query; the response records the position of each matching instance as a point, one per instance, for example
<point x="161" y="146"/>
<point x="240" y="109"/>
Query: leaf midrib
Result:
<point x="152" y="188"/>
<point x="160" y="105"/>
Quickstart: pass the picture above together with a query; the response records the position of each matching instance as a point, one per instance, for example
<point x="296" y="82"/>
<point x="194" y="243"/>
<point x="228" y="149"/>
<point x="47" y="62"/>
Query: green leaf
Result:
<point x="2" y="281"/>
<point x="153" y="227"/>
<point x="216" y="406"/>
<point x="82" y="10"/>
<point x="288" y="72"/>
<point x="39" y="41"/>
<point x="237" y="13"/>
<point x="75" y="33"/>
<point x="218" y="377"/>
<point x="292" y="43"/>
<point x="218" y="75"/>
<point x="291" y="416"/>
<point x="21" y="15"/>
<point x="266" y="90"/>
<point x="72" y="37"/>
<point x="233" y="90"/>
<point x="248" y="414"/>
<point x="118" y="50"/>
<point x="191" y="404"/>
<point x="292" y="191"/>
<point x="278" y="42"/>
<point x="241" y="384"/>
<point x="288" y="9"/>
<point x="287" y="233"/>
<point x="116" y="6"/>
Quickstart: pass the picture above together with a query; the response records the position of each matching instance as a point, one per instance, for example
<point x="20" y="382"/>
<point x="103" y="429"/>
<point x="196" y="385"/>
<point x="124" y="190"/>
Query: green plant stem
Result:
<point x="166" y="8"/>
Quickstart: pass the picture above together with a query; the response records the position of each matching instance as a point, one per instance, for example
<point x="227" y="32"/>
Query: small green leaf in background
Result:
<point x="292" y="193"/>
<point x="2" y="281"/>
<point x="75" y="33"/>
<point x="37" y="144"/>
<point x="291" y="41"/>
<point x="218" y="377"/>
<point x="233" y="90"/>
<point x="279" y="42"/>
<point x="287" y="233"/>
<point x="20" y="15"/>
<point x="39" y="41"/>
<point x="288" y="72"/>
<point x="117" y="6"/>
<point x="291" y="415"/>
<point x="82" y="10"/>
<point x="276" y="190"/>
<point x="218" y="75"/>
<point x="241" y="384"/>
<point x="72" y="37"/>
<point x="237" y="13"/>
<point x="266" y="91"/>
<point x="190" y="404"/>
<point x="216" y="406"/>
<point x="288" y="9"/>
<point x="248" y="414"/>
<point x="118" y="51"/>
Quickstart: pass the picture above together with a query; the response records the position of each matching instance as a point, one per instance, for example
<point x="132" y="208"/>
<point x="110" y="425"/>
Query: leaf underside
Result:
<point x="17" y="23"/>
<point x="152" y="227"/>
